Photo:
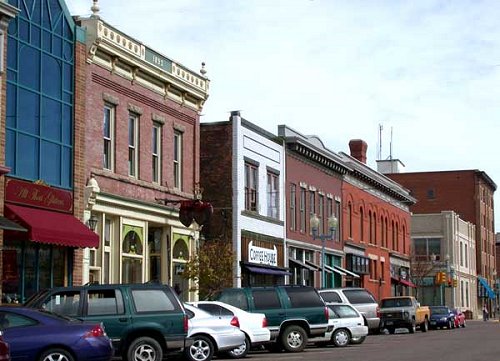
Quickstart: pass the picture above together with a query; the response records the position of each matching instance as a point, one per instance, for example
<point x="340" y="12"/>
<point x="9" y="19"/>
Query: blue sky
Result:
<point x="428" y="71"/>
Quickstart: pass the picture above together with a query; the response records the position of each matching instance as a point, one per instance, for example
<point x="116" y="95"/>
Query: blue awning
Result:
<point x="489" y="291"/>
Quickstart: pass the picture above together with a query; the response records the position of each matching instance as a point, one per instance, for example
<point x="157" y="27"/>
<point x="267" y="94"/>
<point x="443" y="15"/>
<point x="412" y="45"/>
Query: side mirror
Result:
<point x="418" y="304"/>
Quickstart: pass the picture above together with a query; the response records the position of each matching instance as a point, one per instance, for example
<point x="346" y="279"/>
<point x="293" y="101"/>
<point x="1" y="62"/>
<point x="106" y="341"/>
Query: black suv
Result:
<point x="294" y="313"/>
<point x="144" y="321"/>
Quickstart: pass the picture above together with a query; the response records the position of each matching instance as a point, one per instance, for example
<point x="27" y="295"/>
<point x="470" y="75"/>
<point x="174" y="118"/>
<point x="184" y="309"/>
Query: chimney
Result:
<point x="358" y="149"/>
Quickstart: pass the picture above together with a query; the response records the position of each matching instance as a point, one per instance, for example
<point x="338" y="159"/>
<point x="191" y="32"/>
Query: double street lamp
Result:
<point x="332" y="227"/>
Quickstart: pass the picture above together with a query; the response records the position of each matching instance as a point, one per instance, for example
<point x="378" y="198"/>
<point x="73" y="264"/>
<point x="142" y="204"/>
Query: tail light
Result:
<point x="378" y="312"/>
<point x="96" y="331"/>
<point x="186" y="323"/>
<point x="264" y="322"/>
<point x="327" y="314"/>
<point x="235" y="322"/>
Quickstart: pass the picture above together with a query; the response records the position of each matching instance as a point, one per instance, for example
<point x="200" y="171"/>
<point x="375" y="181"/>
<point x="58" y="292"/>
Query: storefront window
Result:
<point x="132" y="254"/>
<point x="154" y="245"/>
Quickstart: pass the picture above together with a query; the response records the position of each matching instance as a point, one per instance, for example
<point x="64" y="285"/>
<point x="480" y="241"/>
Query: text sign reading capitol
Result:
<point x="262" y="255"/>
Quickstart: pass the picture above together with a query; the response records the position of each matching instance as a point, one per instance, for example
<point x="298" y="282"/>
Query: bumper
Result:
<point x="373" y="323"/>
<point x="438" y="323"/>
<point x="229" y="341"/>
<point x="95" y="349"/>
<point x="403" y="323"/>
<point x="260" y="338"/>
<point x="358" y="331"/>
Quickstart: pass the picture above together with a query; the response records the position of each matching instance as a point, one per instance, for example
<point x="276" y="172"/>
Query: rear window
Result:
<point x="342" y="311"/>
<point x="300" y="298"/>
<point x="396" y="302"/>
<point x="331" y="297"/>
<point x="359" y="296"/>
<point x="266" y="299"/>
<point x="154" y="300"/>
<point x="214" y="309"/>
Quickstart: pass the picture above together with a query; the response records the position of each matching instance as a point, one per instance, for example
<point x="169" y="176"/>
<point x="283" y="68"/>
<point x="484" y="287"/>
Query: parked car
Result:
<point x="253" y="325"/>
<point x="403" y="312"/>
<point x="211" y="334"/>
<point x="4" y="349"/>
<point x="361" y="299"/>
<point x="143" y="320"/>
<point x="294" y="313"/>
<point x="459" y="318"/>
<point x="35" y="335"/>
<point x="347" y="324"/>
<point x="442" y="316"/>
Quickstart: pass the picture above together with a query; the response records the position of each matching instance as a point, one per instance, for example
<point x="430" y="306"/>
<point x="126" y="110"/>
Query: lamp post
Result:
<point x="332" y="227"/>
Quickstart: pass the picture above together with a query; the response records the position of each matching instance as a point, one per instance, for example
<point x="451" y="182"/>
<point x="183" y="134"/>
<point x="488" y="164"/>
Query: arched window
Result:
<point x="370" y="227"/>
<point x="349" y="218"/>
<point x="382" y="231"/>
<point x="361" y="225"/>
<point x="374" y="228"/>
<point x="393" y="236"/>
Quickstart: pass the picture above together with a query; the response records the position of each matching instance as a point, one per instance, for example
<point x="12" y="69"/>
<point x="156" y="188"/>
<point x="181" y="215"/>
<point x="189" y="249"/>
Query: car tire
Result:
<point x="412" y="327"/>
<point x="341" y="337"/>
<point x="294" y="338"/>
<point x="144" y="349"/>
<point x="424" y="327"/>
<point x="56" y="354"/>
<point x="358" y="340"/>
<point x="202" y="349"/>
<point x="241" y="351"/>
<point x="391" y="330"/>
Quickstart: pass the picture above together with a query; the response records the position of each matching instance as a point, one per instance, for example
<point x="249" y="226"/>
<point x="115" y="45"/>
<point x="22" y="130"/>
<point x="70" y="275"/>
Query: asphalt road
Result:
<point x="479" y="341"/>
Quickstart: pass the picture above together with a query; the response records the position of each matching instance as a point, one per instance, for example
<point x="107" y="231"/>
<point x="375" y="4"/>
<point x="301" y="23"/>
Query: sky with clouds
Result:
<point x="426" y="71"/>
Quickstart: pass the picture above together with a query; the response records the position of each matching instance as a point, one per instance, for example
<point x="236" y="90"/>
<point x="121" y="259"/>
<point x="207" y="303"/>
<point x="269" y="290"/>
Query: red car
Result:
<point x="4" y="349"/>
<point x="459" y="318"/>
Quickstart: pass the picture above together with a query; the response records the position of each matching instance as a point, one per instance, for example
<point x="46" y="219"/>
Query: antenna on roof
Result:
<point x="379" y="150"/>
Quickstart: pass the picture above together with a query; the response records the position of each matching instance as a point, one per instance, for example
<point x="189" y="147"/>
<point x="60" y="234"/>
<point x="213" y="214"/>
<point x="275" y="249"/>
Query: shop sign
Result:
<point x="262" y="255"/>
<point x="38" y="194"/>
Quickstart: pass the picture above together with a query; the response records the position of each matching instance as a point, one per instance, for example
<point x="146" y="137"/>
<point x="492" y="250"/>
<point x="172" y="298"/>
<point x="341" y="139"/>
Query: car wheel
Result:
<point x="56" y="354"/>
<point x="391" y="330"/>
<point x="202" y="349"/>
<point x="341" y="337"/>
<point x="241" y="351"/>
<point x="294" y="339"/>
<point x="412" y="328"/>
<point x="424" y="327"/>
<point x="358" y="340"/>
<point x="144" y="349"/>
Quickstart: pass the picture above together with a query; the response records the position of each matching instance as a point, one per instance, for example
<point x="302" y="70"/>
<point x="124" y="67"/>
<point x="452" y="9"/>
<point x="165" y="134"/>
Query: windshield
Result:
<point x="396" y="302"/>
<point x="439" y="310"/>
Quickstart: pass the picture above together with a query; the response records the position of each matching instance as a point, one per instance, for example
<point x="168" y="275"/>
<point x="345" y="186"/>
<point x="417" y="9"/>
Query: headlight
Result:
<point x="406" y="315"/>
<point x="443" y="318"/>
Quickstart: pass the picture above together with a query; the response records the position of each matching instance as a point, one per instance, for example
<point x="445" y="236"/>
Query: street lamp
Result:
<point x="332" y="227"/>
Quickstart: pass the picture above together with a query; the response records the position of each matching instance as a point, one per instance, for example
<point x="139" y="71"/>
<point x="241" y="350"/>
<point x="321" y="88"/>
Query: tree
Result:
<point x="211" y="268"/>
<point x="421" y="267"/>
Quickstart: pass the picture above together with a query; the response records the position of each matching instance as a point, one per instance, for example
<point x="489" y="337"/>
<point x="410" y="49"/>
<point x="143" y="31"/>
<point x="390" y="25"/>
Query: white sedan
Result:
<point x="211" y="334"/>
<point x="254" y="325"/>
<point x="348" y="326"/>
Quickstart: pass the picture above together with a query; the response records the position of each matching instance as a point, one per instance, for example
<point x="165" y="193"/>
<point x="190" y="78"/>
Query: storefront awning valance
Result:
<point x="302" y="264"/>
<point x="489" y="291"/>
<point x="52" y="227"/>
<point x="331" y="269"/>
<point x="276" y="271"/>
<point x="8" y="225"/>
<point x="349" y="273"/>
<point x="407" y="283"/>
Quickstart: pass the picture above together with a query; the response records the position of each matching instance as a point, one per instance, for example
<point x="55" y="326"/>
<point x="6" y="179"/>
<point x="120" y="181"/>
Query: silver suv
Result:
<point x="360" y="298"/>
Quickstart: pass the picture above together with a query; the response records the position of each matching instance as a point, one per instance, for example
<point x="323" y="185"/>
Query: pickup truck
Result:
<point x="403" y="312"/>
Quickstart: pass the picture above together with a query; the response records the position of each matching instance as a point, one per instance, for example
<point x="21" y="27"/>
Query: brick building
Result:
<point x="469" y="193"/>
<point x="375" y="226"/>
<point x="242" y="175"/>
<point x="313" y="187"/>
<point x="141" y="159"/>
<point x="44" y="148"/>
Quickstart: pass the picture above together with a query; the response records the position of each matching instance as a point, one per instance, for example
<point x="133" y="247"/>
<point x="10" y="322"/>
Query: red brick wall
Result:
<point x="101" y="81"/>
<point x="79" y="151"/>
<point x="216" y="176"/>
<point x="359" y="198"/>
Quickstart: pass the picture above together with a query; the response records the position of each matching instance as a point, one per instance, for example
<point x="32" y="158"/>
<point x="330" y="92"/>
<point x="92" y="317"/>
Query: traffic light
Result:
<point x="455" y="283"/>
<point x="450" y="282"/>
<point x="440" y="278"/>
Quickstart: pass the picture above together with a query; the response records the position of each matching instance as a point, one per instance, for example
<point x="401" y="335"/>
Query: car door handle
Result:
<point x="123" y="319"/>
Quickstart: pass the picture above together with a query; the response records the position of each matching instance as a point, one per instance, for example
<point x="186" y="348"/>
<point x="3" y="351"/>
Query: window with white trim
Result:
<point x="108" y="136"/>
<point x="177" y="160"/>
<point x="156" y="153"/>
<point x="133" y="145"/>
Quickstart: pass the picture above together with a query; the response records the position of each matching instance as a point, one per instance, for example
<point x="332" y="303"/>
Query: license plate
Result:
<point x="388" y="323"/>
<point x="433" y="322"/>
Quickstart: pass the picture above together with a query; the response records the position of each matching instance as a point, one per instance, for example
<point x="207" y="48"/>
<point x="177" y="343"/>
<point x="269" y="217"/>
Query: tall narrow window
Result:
<point x="132" y="145"/>
<point x="320" y="213"/>
<point x="312" y="206"/>
<point x="302" y="206"/>
<point x="361" y="225"/>
<point x="370" y="227"/>
<point x="251" y="187"/>
<point x="293" y="215"/>
<point x="156" y="152"/>
<point x="108" y="132"/>
<point x="349" y="219"/>
<point x="178" y="160"/>
<point x="338" y="214"/>
<point x="273" y="195"/>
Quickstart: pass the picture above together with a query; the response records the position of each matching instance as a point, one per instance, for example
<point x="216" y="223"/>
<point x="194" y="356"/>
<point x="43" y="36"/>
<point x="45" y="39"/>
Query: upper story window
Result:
<point x="108" y="135"/>
<point x="178" y="160"/>
<point x="39" y="120"/>
<point x="251" y="186"/>
<point x="133" y="149"/>
<point x="312" y="205"/>
<point x="273" y="195"/>
<point x="302" y="208"/>
<point x="156" y="153"/>
<point x="293" y="210"/>
<point x="321" y="200"/>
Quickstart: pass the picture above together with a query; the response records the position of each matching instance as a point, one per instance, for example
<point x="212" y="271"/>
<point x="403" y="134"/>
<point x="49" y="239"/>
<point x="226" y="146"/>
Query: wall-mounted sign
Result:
<point x="262" y="255"/>
<point x="158" y="60"/>
<point x="38" y="195"/>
